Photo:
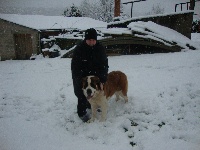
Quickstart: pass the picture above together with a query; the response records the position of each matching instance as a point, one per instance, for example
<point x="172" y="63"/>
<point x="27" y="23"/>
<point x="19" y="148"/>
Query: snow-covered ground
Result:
<point x="38" y="106"/>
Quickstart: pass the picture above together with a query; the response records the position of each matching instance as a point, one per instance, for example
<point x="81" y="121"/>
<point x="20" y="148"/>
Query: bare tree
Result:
<point x="101" y="10"/>
<point x="85" y="8"/>
<point x="106" y="10"/>
<point x="156" y="9"/>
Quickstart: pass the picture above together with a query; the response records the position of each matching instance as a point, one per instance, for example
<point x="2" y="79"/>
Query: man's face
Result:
<point x="91" y="42"/>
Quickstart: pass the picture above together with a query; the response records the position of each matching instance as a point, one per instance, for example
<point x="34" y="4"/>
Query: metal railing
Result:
<point x="131" y="2"/>
<point x="181" y="5"/>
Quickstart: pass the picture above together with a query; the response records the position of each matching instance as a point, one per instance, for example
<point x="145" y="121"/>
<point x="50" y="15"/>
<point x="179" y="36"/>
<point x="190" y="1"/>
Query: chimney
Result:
<point x="117" y="8"/>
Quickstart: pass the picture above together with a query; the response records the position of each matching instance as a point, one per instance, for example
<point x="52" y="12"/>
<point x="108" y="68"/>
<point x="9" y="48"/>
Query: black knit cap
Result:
<point x="91" y="34"/>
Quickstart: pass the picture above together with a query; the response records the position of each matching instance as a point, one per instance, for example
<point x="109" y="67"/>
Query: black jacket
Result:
<point x="89" y="60"/>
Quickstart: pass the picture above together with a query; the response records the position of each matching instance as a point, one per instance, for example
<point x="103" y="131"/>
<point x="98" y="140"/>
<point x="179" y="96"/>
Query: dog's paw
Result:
<point x="85" y="118"/>
<point x="90" y="120"/>
<point x="102" y="120"/>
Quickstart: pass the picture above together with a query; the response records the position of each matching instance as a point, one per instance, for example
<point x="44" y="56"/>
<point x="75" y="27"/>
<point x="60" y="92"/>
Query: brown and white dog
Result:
<point x="98" y="94"/>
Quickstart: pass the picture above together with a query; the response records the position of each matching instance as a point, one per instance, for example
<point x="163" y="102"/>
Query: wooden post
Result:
<point x="117" y="8"/>
<point x="192" y="4"/>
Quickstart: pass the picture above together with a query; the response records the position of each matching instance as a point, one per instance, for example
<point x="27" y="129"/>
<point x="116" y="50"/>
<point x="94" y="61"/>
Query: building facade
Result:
<point x="17" y="41"/>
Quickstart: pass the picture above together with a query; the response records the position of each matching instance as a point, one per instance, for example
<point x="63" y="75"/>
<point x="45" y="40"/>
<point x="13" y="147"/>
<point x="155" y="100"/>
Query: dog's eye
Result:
<point x="93" y="85"/>
<point x="85" y="85"/>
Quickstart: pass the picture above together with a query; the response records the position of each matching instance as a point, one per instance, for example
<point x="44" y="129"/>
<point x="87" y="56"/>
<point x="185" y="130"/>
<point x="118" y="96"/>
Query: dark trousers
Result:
<point x="83" y="103"/>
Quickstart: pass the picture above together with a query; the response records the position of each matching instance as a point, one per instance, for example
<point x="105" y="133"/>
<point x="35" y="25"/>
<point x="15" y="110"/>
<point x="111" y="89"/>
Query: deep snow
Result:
<point x="38" y="106"/>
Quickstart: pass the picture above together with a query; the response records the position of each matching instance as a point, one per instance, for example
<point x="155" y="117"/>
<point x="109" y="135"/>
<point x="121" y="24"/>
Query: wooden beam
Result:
<point x="117" y="8"/>
<point x="192" y="4"/>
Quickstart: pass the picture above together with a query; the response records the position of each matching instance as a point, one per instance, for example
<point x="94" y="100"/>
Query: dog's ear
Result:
<point x="98" y="83"/>
<point x="84" y="81"/>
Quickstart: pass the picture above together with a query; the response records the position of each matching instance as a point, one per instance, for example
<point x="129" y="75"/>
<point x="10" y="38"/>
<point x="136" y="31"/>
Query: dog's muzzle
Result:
<point x="89" y="94"/>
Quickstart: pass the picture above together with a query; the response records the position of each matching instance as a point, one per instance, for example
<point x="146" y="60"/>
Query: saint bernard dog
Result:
<point x="98" y="94"/>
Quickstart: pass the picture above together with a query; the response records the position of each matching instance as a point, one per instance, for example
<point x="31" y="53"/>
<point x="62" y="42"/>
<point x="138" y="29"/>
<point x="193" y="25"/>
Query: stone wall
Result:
<point x="180" y="22"/>
<point x="7" y="42"/>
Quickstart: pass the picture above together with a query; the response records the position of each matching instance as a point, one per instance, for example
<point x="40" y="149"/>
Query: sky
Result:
<point x="52" y="7"/>
<point x="39" y="3"/>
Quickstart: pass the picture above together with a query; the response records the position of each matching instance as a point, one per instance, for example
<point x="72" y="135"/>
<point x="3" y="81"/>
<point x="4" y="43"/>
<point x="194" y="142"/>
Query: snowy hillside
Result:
<point x="38" y="107"/>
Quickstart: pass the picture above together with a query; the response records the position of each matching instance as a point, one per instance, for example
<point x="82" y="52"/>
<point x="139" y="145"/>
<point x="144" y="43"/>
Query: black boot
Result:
<point x="82" y="113"/>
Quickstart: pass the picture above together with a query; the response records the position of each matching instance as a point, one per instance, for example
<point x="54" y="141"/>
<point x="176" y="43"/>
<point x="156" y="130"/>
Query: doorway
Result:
<point x="23" y="46"/>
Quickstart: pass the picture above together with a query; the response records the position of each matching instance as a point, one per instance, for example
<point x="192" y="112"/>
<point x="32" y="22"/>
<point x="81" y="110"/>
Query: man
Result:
<point x="89" y="58"/>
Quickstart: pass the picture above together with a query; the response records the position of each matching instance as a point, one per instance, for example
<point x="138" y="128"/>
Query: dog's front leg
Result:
<point x="94" y="112"/>
<point x="104" y="107"/>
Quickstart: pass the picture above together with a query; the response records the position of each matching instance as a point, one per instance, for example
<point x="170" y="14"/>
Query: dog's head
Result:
<point x="91" y="86"/>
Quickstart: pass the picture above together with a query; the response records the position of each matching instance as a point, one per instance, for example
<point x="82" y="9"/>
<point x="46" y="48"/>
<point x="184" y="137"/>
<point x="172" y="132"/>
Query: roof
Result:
<point x="155" y="32"/>
<point x="40" y="22"/>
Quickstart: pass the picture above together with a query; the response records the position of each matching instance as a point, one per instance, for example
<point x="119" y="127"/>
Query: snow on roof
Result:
<point x="153" y="31"/>
<point x="40" y="22"/>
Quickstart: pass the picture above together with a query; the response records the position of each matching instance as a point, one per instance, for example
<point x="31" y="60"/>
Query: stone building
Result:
<point x="21" y="34"/>
<point x="17" y="41"/>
